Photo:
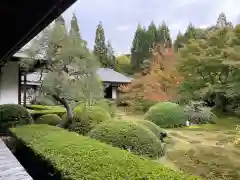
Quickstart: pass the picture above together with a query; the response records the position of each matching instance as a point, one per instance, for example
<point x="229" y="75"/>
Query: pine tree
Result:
<point x="164" y="36"/>
<point x="70" y="70"/>
<point x="74" y="32"/>
<point x="111" y="57"/>
<point x="179" y="42"/>
<point x="152" y="33"/>
<point x="100" y="49"/>
<point x="136" y="49"/>
<point x="190" y="32"/>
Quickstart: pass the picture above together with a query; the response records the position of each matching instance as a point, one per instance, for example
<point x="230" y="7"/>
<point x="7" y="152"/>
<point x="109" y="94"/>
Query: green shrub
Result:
<point x="108" y="105"/>
<point x="128" y="135"/>
<point x="39" y="110"/>
<point x="144" y="105"/>
<point x="166" y="114"/>
<point x="151" y="126"/>
<point x="50" y="119"/>
<point x="12" y="115"/>
<point x="86" y="118"/>
<point x="78" y="157"/>
<point x="200" y="115"/>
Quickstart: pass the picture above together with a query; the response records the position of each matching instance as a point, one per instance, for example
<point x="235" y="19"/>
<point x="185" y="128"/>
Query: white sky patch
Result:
<point x="123" y="27"/>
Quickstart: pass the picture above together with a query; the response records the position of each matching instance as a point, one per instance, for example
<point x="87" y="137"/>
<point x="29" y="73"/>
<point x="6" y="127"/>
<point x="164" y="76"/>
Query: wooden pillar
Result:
<point x="19" y="85"/>
<point x="25" y="89"/>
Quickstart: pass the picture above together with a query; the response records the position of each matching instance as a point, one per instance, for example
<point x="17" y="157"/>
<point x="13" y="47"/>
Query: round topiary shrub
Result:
<point x="130" y="136"/>
<point x="151" y="126"/>
<point x="12" y="115"/>
<point x="86" y="118"/>
<point x="50" y="119"/>
<point x="166" y="115"/>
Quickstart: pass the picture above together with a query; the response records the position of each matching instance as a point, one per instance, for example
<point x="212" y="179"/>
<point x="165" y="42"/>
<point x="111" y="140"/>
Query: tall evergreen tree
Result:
<point x="190" y="32"/>
<point x="136" y="49"/>
<point x="164" y="36"/>
<point x="111" y="57"/>
<point x="74" y="32"/>
<point x="152" y="33"/>
<point x="179" y="41"/>
<point x="100" y="49"/>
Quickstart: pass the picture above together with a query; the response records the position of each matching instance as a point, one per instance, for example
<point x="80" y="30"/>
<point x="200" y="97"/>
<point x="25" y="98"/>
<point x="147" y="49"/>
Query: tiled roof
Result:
<point x="105" y="74"/>
<point x="109" y="75"/>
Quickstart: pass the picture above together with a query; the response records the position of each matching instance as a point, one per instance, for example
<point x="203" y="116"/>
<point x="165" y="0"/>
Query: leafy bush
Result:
<point x="128" y="135"/>
<point x="50" y="119"/>
<point x="166" y="114"/>
<point x="144" y="104"/>
<point x="86" y="118"/>
<point x="12" y="115"/>
<point x="108" y="105"/>
<point x="198" y="114"/>
<point x="80" y="157"/>
<point x="151" y="126"/>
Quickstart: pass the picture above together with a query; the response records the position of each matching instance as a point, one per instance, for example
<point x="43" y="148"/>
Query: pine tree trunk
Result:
<point x="69" y="120"/>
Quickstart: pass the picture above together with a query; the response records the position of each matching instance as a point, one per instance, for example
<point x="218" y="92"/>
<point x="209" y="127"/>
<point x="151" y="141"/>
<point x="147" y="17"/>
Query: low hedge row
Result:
<point x="39" y="110"/>
<point x="78" y="157"/>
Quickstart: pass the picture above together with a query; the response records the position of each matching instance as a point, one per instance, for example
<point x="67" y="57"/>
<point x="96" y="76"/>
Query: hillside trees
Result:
<point x="144" y="40"/>
<point x="210" y="68"/>
<point x="70" y="69"/>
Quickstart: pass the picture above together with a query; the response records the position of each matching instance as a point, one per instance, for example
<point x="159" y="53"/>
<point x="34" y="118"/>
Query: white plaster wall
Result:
<point x="9" y="83"/>
<point x="114" y="93"/>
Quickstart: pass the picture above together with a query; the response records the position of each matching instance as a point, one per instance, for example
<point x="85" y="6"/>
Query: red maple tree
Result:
<point x="159" y="84"/>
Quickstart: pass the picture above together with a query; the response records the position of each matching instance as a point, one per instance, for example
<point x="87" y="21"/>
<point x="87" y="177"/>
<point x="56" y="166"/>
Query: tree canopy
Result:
<point x="70" y="69"/>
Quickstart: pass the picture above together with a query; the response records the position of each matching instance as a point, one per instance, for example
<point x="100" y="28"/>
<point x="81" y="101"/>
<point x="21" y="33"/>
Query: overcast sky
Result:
<point x="120" y="18"/>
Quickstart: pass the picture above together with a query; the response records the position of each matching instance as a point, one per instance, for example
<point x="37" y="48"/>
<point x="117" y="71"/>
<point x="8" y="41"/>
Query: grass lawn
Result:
<point x="206" y="150"/>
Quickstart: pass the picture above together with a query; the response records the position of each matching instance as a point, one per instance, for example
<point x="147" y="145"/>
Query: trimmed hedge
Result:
<point x="39" y="110"/>
<point x="151" y="126"/>
<point x="86" y="118"/>
<point x="12" y="115"/>
<point x="50" y="119"/>
<point x="129" y="135"/>
<point x="78" y="157"/>
<point x="167" y="115"/>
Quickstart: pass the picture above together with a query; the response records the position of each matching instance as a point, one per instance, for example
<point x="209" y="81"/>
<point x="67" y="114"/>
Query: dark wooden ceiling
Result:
<point x="20" y="21"/>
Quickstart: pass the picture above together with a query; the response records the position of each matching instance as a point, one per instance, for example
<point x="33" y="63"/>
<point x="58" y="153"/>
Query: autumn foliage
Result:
<point x="158" y="84"/>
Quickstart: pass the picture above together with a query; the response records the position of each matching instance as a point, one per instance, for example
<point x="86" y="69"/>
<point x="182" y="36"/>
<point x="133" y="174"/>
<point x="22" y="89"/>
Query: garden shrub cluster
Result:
<point x="12" y="115"/>
<point x="198" y="114"/>
<point x="130" y="136"/>
<point x="166" y="115"/>
<point x="86" y="118"/>
<point x="79" y="157"/>
<point x="50" y="119"/>
<point x="151" y="126"/>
